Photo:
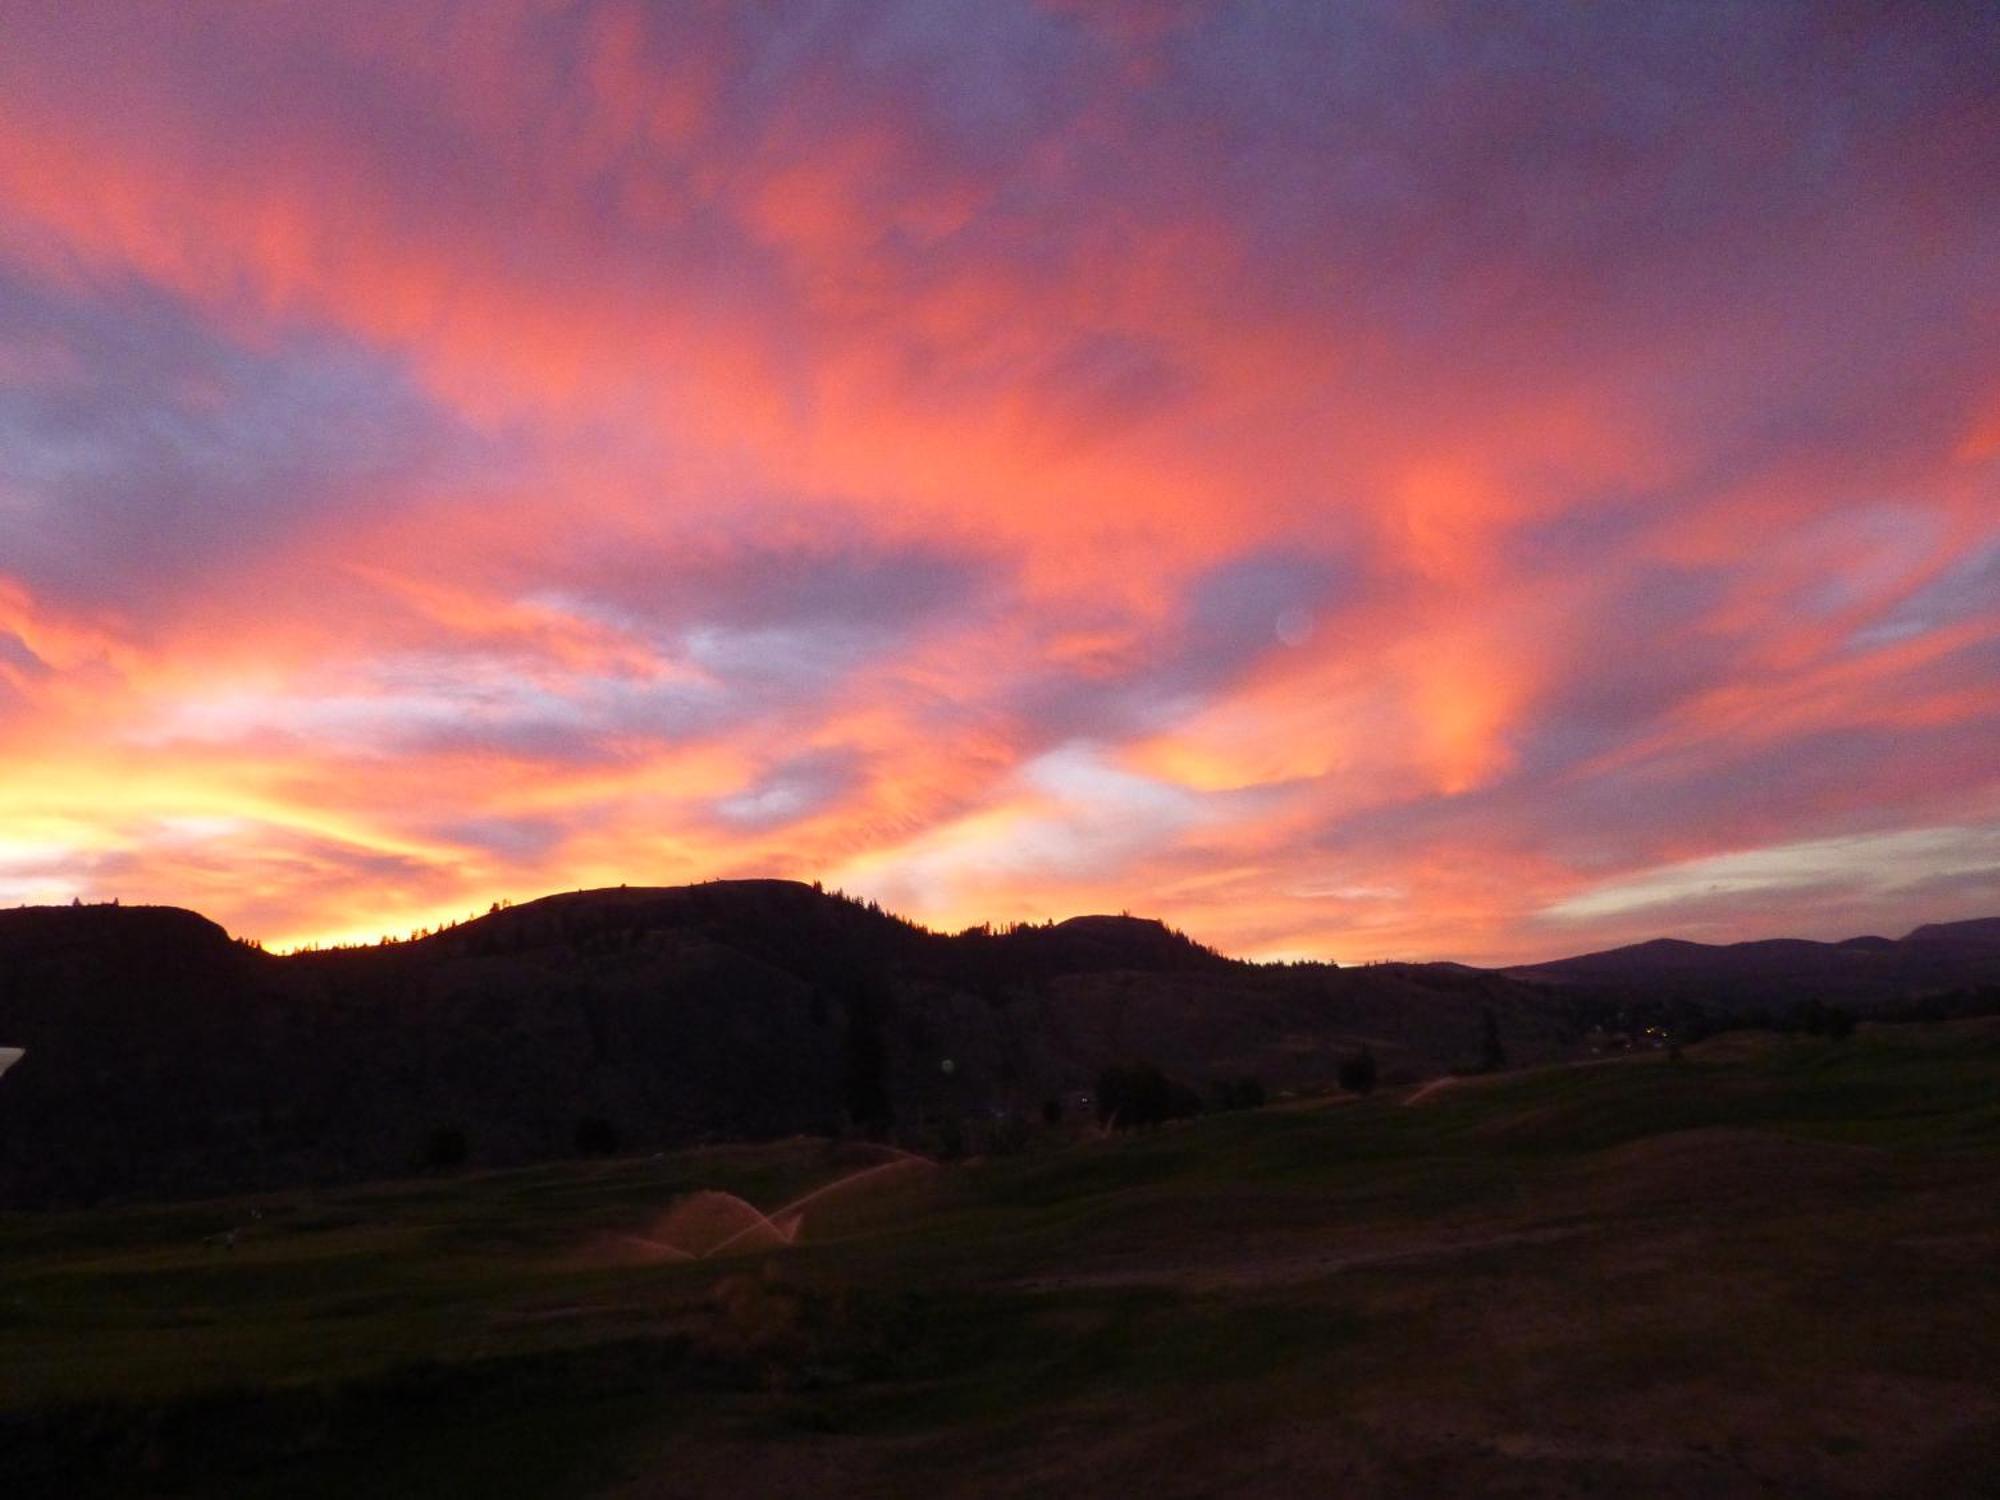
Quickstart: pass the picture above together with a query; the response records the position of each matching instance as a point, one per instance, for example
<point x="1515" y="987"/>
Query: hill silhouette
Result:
<point x="166" y="1059"/>
<point x="1865" y="973"/>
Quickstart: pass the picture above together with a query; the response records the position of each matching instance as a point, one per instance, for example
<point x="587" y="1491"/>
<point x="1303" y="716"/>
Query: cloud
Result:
<point x="1362" y="477"/>
<point x="793" y="789"/>
<point x="159" y="456"/>
<point x="1870" y="868"/>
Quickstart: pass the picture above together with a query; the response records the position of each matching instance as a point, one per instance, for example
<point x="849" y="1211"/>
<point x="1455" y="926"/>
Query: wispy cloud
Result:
<point x="1876" y="867"/>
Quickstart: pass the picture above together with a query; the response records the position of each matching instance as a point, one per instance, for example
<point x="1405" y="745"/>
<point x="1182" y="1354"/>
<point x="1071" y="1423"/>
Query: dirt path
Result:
<point x="1276" y="1266"/>
<point x="1425" y="1090"/>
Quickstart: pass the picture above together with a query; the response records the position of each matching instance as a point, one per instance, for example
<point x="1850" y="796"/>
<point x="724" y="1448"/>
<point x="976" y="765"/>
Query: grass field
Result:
<point x="1767" y="1269"/>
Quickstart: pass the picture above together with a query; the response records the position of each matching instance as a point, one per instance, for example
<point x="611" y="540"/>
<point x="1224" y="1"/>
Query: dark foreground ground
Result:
<point x="1766" y="1270"/>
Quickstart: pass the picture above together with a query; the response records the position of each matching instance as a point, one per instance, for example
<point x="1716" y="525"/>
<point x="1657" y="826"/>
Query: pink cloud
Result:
<point x="1400" y="476"/>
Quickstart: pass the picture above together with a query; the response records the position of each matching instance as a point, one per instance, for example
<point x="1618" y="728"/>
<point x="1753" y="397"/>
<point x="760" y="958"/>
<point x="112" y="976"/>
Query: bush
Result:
<point x="1816" y="1018"/>
<point x="1239" y="1093"/>
<point x="595" y="1137"/>
<point x="1358" y="1074"/>
<point x="1139" y="1094"/>
<point x="447" y="1148"/>
<point x="1492" y="1054"/>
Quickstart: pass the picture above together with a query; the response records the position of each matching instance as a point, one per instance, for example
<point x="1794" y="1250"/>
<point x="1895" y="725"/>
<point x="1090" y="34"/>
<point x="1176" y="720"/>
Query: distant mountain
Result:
<point x="164" y="1058"/>
<point x="1981" y="936"/>
<point x="1862" y="972"/>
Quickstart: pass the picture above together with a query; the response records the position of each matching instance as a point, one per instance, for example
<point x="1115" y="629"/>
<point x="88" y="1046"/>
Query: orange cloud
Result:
<point x="1264" y="467"/>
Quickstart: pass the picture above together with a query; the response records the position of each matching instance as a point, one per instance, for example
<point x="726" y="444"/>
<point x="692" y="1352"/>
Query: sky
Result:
<point x="1386" y="480"/>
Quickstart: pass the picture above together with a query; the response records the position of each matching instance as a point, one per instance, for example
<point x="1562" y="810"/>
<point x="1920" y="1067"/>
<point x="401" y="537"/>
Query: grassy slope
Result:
<point x="1768" y="1267"/>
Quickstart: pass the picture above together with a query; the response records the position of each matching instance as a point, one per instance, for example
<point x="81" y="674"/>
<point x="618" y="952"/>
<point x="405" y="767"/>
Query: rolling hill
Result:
<point x="166" y="1059"/>
<point x="1863" y="972"/>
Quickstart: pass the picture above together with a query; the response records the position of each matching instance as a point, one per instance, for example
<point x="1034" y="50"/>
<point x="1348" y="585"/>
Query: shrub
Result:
<point x="1139" y="1094"/>
<point x="1239" y="1093"/>
<point x="595" y="1137"/>
<point x="1492" y="1054"/>
<point x="1357" y="1073"/>
<point x="1817" y="1018"/>
<point x="447" y="1148"/>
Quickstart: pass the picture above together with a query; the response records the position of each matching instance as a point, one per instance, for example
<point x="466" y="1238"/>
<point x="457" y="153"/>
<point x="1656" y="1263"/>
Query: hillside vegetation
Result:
<point x="165" y="1060"/>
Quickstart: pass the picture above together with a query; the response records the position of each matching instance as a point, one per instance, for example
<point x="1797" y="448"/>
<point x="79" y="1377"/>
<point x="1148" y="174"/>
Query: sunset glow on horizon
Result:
<point x="1393" y="480"/>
